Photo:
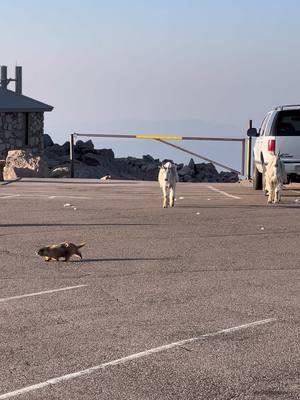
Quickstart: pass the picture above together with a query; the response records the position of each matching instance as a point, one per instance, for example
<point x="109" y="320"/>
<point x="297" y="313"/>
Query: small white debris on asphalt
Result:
<point x="67" y="205"/>
<point x="197" y="213"/>
<point x="74" y="208"/>
<point x="296" y="200"/>
<point x="262" y="228"/>
<point x="208" y="199"/>
<point x="181" y="198"/>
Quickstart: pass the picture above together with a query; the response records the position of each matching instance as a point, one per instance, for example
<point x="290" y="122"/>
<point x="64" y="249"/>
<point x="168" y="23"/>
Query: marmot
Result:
<point x="63" y="250"/>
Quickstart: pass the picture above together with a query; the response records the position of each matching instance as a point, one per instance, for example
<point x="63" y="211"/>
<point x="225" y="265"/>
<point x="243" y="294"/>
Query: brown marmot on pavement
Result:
<point x="63" y="250"/>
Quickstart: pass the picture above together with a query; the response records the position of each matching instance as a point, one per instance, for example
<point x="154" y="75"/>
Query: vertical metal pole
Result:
<point x="249" y="152"/>
<point x="18" y="87"/>
<point x="243" y="156"/>
<point x="4" y="81"/>
<point x="72" y="154"/>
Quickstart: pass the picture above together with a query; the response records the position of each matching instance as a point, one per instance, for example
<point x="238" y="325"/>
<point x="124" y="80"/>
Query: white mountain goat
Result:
<point x="167" y="179"/>
<point x="274" y="178"/>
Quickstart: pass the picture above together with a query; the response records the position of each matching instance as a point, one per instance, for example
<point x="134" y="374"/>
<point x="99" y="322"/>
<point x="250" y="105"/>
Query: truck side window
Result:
<point x="269" y="123"/>
<point x="263" y="125"/>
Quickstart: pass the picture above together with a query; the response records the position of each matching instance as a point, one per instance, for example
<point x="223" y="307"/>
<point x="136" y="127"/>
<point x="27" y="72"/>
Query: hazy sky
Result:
<point x="123" y="64"/>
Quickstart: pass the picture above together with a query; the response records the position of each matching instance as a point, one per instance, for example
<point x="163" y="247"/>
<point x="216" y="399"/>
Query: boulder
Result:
<point x="148" y="159"/>
<point x="55" y="151"/>
<point x="107" y="154"/>
<point x="206" y="167"/>
<point x="66" y="148"/>
<point x="95" y="172"/>
<point x="84" y="147"/>
<point x="187" y="178"/>
<point x="60" y="172"/>
<point x="90" y="159"/>
<point x="191" y="164"/>
<point x="186" y="170"/>
<point x="56" y="162"/>
<point x="2" y="165"/>
<point x="228" y="176"/>
<point x="23" y="164"/>
<point x="206" y="172"/>
<point x="47" y="140"/>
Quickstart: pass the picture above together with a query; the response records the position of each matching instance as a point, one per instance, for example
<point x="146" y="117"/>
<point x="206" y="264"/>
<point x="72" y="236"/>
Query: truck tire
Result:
<point x="257" y="179"/>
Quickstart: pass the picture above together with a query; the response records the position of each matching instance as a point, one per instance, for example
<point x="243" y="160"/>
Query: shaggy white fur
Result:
<point x="167" y="179"/>
<point x="274" y="178"/>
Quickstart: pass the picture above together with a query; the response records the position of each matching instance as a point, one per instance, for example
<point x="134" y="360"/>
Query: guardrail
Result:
<point x="163" y="139"/>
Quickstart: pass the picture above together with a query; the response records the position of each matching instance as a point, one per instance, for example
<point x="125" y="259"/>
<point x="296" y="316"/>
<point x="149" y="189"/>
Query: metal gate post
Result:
<point x="72" y="154"/>
<point x="249" y="152"/>
<point x="243" y="157"/>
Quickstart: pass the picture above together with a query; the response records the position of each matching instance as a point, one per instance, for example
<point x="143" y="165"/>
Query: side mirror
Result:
<point x="252" y="132"/>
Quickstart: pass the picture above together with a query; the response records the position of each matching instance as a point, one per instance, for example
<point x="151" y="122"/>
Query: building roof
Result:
<point x="13" y="102"/>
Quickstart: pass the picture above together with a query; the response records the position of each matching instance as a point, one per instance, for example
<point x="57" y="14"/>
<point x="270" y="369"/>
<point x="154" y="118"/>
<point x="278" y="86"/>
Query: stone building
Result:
<point x="21" y="117"/>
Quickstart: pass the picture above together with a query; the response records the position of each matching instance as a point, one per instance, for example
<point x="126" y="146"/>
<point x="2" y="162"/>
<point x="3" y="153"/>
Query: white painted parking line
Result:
<point x="224" y="193"/>
<point x="44" y="196"/>
<point x="5" y="299"/>
<point x="9" y="196"/>
<point x="70" y="197"/>
<point x="123" y="360"/>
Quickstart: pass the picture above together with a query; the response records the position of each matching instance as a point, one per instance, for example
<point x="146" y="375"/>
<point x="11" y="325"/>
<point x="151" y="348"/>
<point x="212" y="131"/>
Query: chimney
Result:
<point x="18" y="86"/>
<point x="4" y="81"/>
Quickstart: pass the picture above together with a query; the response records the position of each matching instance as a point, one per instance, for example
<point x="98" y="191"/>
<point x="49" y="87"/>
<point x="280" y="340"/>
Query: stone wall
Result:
<point x="13" y="136"/>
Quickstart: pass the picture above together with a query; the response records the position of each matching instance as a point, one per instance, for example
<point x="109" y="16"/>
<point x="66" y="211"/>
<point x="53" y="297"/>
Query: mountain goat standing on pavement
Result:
<point x="167" y="179"/>
<point x="274" y="178"/>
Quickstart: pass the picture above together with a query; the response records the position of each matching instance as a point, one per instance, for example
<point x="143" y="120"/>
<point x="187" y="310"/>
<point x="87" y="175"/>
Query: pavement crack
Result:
<point x="185" y="348"/>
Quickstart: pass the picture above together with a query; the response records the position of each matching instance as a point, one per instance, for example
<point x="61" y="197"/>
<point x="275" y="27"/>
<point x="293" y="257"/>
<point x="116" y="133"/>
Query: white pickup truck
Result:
<point x="279" y="133"/>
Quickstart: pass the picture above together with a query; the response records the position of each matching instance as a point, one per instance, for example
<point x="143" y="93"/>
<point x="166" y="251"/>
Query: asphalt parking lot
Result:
<point x="196" y="302"/>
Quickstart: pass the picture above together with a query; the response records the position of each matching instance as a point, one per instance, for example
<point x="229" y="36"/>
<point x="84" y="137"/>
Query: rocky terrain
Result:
<point x="97" y="163"/>
<point x="100" y="163"/>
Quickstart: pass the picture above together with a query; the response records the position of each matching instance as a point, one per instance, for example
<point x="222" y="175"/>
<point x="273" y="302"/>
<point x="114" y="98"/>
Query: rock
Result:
<point x="57" y="162"/>
<point x="90" y="159"/>
<point x="186" y="170"/>
<point x="66" y="148"/>
<point x="2" y="165"/>
<point x="85" y="171"/>
<point x="83" y="147"/>
<point x="148" y="159"/>
<point x="229" y="176"/>
<point x="187" y="178"/>
<point x="95" y="163"/>
<point x="206" y="172"/>
<point x="191" y="164"/>
<point x="55" y="151"/>
<point x="60" y="172"/>
<point x="23" y="164"/>
<point x="108" y="154"/>
<point x="207" y="167"/>
<point x="47" y="140"/>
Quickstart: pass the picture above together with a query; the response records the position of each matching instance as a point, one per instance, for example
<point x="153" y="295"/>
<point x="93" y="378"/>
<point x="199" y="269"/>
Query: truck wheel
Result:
<point x="257" y="179"/>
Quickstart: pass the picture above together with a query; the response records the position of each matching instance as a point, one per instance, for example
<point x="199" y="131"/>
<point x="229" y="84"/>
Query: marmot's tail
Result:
<point x="81" y="245"/>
